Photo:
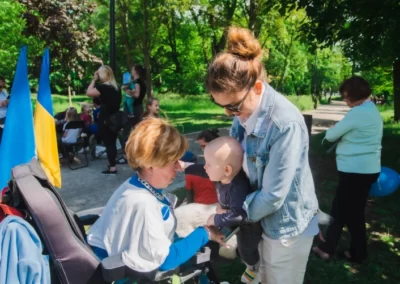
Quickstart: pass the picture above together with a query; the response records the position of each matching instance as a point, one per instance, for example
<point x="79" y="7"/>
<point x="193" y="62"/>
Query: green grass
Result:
<point x="303" y="103"/>
<point x="188" y="113"/>
<point x="193" y="113"/>
<point x="60" y="103"/>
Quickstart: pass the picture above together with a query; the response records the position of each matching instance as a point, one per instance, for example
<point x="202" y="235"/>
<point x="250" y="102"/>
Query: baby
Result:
<point x="224" y="158"/>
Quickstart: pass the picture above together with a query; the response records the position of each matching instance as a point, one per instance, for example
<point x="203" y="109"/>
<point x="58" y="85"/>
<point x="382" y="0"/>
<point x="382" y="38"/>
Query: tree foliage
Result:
<point x="12" y="27"/>
<point x="63" y="26"/>
<point x="174" y="39"/>
<point x="368" y="31"/>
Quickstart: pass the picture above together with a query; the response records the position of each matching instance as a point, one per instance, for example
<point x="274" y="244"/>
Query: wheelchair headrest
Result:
<point x="74" y="261"/>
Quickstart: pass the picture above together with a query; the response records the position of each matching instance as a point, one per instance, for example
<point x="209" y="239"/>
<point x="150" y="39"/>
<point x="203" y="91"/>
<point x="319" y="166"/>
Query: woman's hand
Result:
<point x="96" y="76"/>
<point x="215" y="235"/>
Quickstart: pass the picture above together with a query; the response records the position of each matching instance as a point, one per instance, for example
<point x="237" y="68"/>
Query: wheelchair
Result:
<point x="63" y="235"/>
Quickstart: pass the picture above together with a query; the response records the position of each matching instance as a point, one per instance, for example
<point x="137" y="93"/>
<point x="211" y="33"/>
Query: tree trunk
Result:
<point x="396" y="89"/>
<point x="172" y="42"/>
<point x="252" y="15"/>
<point x="219" y="44"/>
<point x="69" y="95"/>
<point x="123" y="15"/>
<point x="201" y="34"/>
<point x="330" y="96"/>
<point x="146" y="46"/>
<point x="285" y="64"/>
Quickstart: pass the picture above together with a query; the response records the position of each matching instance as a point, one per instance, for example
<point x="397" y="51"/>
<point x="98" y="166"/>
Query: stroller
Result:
<point x="63" y="235"/>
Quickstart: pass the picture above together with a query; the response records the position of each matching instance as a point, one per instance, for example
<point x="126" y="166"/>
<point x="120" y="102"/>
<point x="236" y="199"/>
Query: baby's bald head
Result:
<point x="226" y="151"/>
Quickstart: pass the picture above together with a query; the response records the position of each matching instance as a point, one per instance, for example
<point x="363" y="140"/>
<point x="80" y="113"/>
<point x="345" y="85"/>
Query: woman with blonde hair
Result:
<point x="110" y="97"/>
<point x="274" y="137"/>
<point x="138" y="220"/>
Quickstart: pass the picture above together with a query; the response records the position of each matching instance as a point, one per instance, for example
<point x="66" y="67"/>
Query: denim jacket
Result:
<point x="279" y="171"/>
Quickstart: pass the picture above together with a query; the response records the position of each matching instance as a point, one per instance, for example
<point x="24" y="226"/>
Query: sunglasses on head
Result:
<point x="232" y="107"/>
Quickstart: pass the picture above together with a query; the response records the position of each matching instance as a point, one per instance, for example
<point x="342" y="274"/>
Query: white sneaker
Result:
<point x="100" y="150"/>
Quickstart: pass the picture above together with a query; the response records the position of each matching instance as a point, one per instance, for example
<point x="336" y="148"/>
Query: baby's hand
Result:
<point x="210" y="221"/>
<point x="184" y="165"/>
<point x="220" y="210"/>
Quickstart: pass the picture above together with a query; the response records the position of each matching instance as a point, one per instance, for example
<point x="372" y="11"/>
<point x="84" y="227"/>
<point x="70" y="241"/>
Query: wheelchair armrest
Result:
<point x="113" y="269"/>
<point x="89" y="216"/>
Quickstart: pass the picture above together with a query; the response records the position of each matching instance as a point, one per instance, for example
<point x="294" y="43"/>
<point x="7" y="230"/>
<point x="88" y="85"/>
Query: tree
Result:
<point x="62" y="26"/>
<point x="368" y="30"/>
<point x="12" y="26"/>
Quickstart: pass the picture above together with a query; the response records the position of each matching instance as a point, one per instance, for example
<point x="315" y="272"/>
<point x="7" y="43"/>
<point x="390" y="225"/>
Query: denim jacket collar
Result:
<point x="267" y="105"/>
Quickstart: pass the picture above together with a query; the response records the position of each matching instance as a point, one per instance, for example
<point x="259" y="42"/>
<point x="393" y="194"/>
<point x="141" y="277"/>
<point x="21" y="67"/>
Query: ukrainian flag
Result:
<point x="18" y="142"/>
<point x="45" y="128"/>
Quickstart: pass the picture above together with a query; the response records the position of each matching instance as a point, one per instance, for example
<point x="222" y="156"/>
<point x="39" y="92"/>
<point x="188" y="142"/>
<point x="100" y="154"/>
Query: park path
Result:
<point x="87" y="188"/>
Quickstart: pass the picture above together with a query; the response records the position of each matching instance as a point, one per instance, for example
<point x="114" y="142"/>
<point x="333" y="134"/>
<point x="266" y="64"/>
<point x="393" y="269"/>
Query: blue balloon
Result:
<point x="387" y="183"/>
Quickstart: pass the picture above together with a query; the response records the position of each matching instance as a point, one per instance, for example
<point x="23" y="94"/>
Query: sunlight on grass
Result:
<point x="189" y="113"/>
<point x="60" y="103"/>
<point x="302" y="102"/>
<point x="350" y="268"/>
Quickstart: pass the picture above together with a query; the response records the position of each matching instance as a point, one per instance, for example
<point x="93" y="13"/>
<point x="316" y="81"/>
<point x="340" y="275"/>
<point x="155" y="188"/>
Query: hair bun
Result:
<point x="242" y="43"/>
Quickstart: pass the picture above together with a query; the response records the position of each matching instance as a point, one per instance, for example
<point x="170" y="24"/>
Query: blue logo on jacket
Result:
<point x="165" y="213"/>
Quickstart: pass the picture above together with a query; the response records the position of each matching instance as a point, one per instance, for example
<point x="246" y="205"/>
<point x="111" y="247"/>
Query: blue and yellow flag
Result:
<point x="18" y="142"/>
<point x="45" y="127"/>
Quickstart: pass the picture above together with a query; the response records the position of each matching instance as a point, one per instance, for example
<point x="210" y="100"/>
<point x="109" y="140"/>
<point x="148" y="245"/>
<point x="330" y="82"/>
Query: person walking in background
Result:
<point x="358" y="159"/>
<point x="110" y="98"/>
<point x="275" y="140"/>
<point x="4" y="99"/>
